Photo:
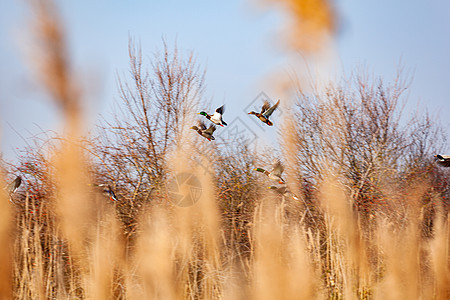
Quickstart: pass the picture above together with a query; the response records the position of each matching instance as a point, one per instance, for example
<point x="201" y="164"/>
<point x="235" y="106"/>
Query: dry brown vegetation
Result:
<point x="371" y="221"/>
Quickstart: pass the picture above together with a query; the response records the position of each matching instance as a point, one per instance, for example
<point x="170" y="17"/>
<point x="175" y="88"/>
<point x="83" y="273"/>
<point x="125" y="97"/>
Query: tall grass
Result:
<point x="64" y="240"/>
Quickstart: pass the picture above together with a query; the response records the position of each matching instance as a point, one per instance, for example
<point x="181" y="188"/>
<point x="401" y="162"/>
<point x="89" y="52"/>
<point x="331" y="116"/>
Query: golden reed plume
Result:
<point x="50" y="58"/>
<point x="311" y="25"/>
<point x="312" y="22"/>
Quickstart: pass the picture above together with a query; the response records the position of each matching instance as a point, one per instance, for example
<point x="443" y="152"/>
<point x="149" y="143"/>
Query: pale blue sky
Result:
<point x="236" y="41"/>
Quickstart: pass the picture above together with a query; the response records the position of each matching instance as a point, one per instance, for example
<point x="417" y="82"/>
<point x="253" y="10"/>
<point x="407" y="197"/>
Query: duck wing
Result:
<point x="282" y="190"/>
<point x="277" y="168"/>
<point x="112" y="195"/>
<point x="13" y="186"/>
<point x="265" y="107"/>
<point x="211" y="129"/>
<point x="220" y="110"/>
<point x="269" y="111"/>
<point x="201" y="125"/>
<point x="218" y="113"/>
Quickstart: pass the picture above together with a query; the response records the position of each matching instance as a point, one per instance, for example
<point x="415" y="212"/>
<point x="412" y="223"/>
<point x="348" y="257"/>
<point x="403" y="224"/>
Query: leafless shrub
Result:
<point x="362" y="134"/>
<point x="154" y="108"/>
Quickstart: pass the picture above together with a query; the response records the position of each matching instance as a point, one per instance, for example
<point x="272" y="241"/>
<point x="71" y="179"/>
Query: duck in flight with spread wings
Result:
<point x="284" y="191"/>
<point x="205" y="132"/>
<point x="216" y="118"/>
<point x="275" y="173"/>
<point x="266" y="112"/>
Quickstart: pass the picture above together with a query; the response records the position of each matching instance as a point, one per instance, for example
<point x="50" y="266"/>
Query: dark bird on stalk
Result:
<point x="216" y="118"/>
<point x="13" y="186"/>
<point x="206" y="133"/>
<point x="275" y="173"/>
<point x="443" y="160"/>
<point x="266" y="112"/>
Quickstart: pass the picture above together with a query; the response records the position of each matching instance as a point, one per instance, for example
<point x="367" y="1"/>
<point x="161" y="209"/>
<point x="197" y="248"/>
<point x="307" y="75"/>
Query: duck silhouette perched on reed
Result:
<point x="443" y="160"/>
<point x="12" y="187"/>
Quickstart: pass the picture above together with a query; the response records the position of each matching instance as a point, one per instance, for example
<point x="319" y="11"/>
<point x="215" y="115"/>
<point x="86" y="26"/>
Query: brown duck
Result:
<point x="266" y="112"/>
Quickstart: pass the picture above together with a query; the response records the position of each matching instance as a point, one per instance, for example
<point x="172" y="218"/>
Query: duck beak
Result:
<point x="280" y="182"/>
